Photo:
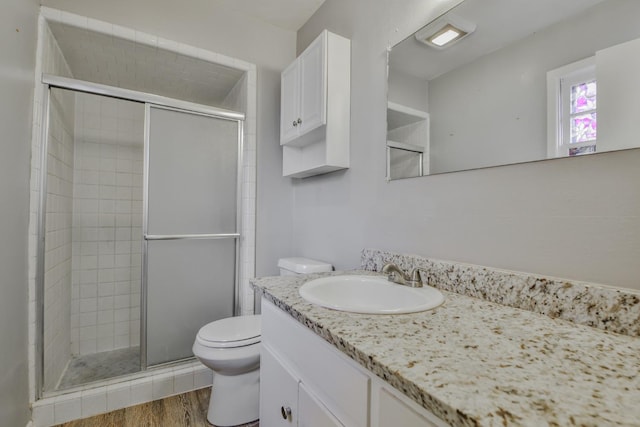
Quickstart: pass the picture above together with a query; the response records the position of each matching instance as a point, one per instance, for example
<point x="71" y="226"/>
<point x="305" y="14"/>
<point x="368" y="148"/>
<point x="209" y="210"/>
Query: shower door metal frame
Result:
<point x="155" y="237"/>
<point x="40" y="264"/>
<point x="50" y="81"/>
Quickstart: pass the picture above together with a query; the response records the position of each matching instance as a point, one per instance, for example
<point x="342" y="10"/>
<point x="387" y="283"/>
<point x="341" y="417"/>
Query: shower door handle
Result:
<point x="191" y="236"/>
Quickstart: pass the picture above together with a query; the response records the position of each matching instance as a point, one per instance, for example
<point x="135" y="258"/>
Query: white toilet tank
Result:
<point x="295" y="266"/>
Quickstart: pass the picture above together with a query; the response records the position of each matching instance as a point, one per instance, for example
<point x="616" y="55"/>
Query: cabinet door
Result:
<point x="278" y="392"/>
<point x="313" y="85"/>
<point x="312" y="413"/>
<point x="289" y="103"/>
<point x="389" y="411"/>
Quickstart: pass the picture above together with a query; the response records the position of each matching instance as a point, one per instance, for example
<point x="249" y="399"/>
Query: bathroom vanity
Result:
<point x="467" y="362"/>
<point x="307" y="382"/>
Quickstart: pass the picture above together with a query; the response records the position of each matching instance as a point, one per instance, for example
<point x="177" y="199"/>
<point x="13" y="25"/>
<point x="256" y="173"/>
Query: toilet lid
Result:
<point x="231" y="332"/>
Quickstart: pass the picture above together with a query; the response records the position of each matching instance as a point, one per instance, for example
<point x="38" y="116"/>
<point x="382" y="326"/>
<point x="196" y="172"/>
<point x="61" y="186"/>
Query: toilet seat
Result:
<point x="231" y="332"/>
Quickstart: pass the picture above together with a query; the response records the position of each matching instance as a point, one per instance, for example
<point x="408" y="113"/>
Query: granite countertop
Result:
<point x="474" y="362"/>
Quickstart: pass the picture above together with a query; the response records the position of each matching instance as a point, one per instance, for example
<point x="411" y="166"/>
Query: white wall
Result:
<point x="408" y="90"/>
<point x="617" y="71"/>
<point x="229" y="33"/>
<point x="577" y="218"/>
<point x="17" y="56"/>
<point x="493" y="111"/>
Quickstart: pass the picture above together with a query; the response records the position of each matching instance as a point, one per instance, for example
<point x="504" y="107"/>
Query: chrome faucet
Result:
<point x="396" y="275"/>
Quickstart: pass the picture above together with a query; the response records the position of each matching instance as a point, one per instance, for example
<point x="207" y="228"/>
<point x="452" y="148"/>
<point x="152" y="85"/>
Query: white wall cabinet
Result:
<point x="306" y="382"/>
<point x="304" y="94"/>
<point x="315" y="108"/>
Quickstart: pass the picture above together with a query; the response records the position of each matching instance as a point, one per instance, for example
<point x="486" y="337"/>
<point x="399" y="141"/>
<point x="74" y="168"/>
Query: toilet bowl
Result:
<point x="231" y="348"/>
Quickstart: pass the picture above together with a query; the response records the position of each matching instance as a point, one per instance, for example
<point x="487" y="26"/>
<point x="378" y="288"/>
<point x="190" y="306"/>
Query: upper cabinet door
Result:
<point x="303" y="94"/>
<point x="313" y="86"/>
<point x="289" y="103"/>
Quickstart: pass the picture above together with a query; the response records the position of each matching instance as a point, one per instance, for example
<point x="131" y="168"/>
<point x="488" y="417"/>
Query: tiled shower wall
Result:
<point x="57" y="277"/>
<point x="238" y="99"/>
<point x="107" y="224"/>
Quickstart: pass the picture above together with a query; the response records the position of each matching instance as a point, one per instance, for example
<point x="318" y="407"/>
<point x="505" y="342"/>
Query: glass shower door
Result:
<point x="191" y="230"/>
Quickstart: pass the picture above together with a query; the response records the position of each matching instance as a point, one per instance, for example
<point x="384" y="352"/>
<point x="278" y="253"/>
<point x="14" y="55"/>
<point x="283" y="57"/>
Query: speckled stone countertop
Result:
<point x="477" y="363"/>
<point x="603" y="307"/>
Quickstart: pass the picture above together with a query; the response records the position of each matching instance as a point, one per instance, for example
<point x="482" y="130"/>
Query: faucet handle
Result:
<point x="415" y="278"/>
<point x="395" y="273"/>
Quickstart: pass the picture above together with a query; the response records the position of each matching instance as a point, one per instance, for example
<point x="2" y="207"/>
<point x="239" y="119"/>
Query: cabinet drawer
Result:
<point x="337" y="380"/>
<point x="278" y="392"/>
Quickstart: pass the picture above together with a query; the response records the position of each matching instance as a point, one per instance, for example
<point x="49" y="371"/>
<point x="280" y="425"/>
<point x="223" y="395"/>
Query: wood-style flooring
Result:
<point x="183" y="410"/>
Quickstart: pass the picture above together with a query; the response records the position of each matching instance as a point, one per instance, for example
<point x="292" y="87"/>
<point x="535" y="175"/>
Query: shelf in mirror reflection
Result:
<point x="407" y="141"/>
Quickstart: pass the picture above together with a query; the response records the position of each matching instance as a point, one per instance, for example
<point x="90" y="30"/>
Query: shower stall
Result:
<point x="138" y="229"/>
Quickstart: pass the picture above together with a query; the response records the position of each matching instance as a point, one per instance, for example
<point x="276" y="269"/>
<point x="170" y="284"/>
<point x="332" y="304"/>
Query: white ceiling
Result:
<point x="287" y="14"/>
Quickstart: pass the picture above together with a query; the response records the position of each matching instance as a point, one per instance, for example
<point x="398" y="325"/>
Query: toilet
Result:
<point x="231" y="348"/>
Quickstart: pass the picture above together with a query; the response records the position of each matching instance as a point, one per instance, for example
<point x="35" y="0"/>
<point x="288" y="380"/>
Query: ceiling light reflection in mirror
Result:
<point x="520" y="86"/>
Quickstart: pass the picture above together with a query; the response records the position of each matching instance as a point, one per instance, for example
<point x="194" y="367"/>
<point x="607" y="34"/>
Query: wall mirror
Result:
<point x="496" y="82"/>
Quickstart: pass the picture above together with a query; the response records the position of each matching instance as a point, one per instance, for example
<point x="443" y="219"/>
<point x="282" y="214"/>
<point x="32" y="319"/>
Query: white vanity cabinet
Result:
<point x="315" y="108"/>
<point x="278" y="392"/>
<point x="286" y="401"/>
<point x="390" y="408"/>
<point x="312" y="412"/>
<point x="306" y="382"/>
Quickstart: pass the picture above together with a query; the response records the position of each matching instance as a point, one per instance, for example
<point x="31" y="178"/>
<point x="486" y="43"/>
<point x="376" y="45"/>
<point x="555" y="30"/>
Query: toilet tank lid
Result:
<point x="304" y="265"/>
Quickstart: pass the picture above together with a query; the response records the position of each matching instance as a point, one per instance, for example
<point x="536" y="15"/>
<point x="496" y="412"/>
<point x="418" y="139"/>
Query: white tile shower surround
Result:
<point x="58" y="247"/>
<point x="107" y="224"/>
<point x="143" y="68"/>
<point x="59" y="210"/>
<point x="90" y="399"/>
<point x="249" y="176"/>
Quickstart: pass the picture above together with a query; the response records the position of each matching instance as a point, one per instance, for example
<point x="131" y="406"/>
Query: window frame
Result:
<point x="559" y="82"/>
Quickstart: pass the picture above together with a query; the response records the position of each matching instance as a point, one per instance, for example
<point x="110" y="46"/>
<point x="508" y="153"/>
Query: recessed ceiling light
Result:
<point x="447" y="35"/>
<point x="445" y="31"/>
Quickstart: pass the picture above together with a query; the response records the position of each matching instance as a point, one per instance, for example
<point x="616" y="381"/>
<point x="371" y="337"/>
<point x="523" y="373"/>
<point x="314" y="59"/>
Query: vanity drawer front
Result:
<point x="278" y="392"/>
<point x="335" y="379"/>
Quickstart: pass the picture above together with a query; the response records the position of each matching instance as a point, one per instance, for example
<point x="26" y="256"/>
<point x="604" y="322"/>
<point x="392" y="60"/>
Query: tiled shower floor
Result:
<point x="100" y="366"/>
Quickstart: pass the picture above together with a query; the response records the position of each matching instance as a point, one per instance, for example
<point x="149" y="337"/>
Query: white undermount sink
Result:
<point x="369" y="294"/>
